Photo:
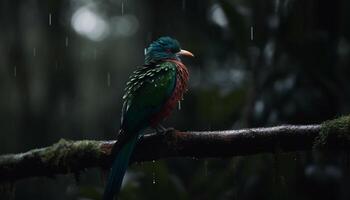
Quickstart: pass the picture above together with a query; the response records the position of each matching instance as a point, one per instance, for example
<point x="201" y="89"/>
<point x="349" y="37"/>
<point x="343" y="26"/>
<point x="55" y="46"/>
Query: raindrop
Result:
<point x="67" y="41"/>
<point x="50" y="19"/>
<point x="34" y="51"/>
<point x="122" y="8"/>
<point x="108" y="79"/>
<point x="15" y="71"/>
<point x="183" y="5"/>
<point x="179" y="105"/>
<point x="154" y="178"/>
<point x="251" y="33"/>
<point x="153" y="173"/>
<point x="145" y="51"/>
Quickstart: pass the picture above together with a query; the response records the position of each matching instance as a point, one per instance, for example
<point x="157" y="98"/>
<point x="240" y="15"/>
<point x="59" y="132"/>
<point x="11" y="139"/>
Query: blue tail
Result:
<point x="117" y="172"/>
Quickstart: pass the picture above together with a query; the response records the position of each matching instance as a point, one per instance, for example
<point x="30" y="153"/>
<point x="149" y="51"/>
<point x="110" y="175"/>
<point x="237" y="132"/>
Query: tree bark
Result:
<point x="75" y="156"/>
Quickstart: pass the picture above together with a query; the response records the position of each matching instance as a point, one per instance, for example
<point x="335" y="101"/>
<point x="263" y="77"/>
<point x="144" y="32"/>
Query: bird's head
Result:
<point x="164" y="48"/>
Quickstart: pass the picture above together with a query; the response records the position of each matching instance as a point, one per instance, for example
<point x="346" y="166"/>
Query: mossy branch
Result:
<point x="334" y="134"/>
<point x="75" y="156"/>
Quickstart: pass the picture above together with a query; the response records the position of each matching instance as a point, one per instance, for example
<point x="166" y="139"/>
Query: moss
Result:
<point x="334" y="132"/>
<point x="56" y="153"/>
<point x="67" y="154"/>
<point x="92" y="148"/>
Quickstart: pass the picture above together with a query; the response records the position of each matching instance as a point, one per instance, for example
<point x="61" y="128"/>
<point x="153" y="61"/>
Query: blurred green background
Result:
<point x="64" y="64"/>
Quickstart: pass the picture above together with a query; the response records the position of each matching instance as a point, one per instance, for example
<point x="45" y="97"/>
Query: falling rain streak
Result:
<point x="179" y="105"/>
<point x="154" y="178"/>
<point x="108" y="79"/>
<point x="95" y="54"/>
<point x="183" y="5"/>
<point x="251" y="33"/>
<point x="66" y="41"/>
<point x="15" y="71"/>
<point x="122" y="8"/>
<point x="153" y="174"/>
<point x="34" y="51"/>
<point x="50" y="19"/>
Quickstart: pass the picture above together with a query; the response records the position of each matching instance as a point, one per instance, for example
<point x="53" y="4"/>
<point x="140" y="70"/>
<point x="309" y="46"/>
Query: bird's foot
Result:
<point x="162" y="130"/>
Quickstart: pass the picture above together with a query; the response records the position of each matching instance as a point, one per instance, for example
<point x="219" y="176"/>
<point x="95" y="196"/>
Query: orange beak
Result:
<point x="185" y="53"/>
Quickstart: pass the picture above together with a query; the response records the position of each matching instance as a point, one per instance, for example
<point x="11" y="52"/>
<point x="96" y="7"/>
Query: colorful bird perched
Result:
<point x="152" y="92"/>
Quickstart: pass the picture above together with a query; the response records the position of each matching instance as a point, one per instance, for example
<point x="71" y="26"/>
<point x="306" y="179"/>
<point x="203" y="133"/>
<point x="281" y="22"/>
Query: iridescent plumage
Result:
<point x="152" y="92"/>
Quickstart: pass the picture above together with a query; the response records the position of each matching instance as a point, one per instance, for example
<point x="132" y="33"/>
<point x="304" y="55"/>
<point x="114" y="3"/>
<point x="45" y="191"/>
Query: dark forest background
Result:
<point x="64" y="64"/>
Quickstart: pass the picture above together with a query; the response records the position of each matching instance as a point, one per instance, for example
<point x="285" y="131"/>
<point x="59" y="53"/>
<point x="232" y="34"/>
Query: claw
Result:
<point x="162" y="130"/>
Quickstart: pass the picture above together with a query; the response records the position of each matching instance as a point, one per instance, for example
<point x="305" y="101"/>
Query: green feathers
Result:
<point x="148" y="74"/>
<point x="146" y="92"/>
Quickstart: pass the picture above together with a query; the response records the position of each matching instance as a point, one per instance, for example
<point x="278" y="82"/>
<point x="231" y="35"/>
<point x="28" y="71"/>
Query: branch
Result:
<point x="75" y="156"/>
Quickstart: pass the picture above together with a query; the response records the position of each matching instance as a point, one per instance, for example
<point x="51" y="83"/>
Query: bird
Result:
<point x="153" y="91"/>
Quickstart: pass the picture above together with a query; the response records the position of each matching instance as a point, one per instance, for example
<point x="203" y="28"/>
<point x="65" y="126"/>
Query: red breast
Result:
<point x="182" y="77"/>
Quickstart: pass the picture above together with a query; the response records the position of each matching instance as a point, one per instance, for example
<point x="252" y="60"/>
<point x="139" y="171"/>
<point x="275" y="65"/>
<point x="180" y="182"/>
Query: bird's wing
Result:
<point x="146" y="93"/>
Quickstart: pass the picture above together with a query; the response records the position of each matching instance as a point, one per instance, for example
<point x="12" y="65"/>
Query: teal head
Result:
<point x="164" y="48"/>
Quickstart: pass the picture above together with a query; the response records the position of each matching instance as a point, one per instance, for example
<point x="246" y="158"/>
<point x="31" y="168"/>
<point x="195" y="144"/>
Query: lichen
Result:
<point x="337" y="130"/>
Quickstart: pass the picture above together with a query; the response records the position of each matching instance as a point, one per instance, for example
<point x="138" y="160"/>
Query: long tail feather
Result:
<point x="117" y="172"/>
